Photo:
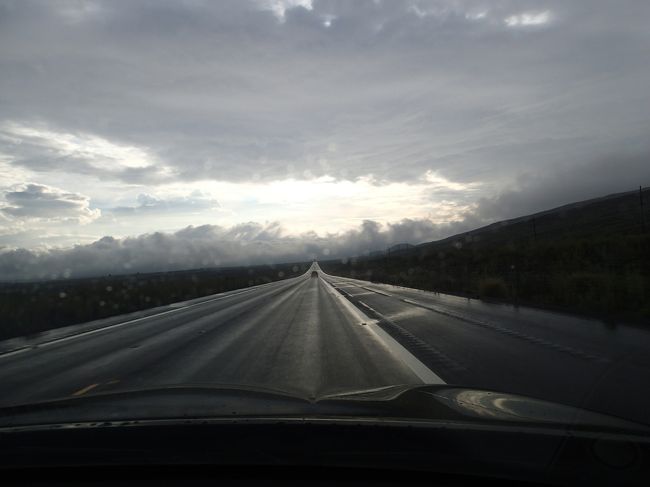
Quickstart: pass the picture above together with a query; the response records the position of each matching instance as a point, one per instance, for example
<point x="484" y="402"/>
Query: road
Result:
<point x="314" y="336"/>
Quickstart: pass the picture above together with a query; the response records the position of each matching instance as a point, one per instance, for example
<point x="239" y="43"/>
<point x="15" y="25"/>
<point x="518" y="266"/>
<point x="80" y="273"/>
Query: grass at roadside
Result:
<point x="606" y="277"/>
<point x="33" y="307"/>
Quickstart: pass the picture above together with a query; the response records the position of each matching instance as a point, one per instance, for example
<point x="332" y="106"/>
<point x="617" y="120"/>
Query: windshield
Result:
<point x="319" y="199"/>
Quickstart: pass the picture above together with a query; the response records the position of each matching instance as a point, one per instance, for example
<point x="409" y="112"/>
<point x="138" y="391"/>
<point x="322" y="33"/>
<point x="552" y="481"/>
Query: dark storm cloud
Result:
<point x="611" y="174"/>
<point x="477" y="90"/>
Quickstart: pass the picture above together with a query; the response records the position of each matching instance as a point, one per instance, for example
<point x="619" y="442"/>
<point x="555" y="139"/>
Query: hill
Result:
<point x="591" y="257"/>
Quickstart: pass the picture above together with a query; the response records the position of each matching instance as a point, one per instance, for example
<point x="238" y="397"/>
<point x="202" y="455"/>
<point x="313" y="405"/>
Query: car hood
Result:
<point x="417" y="405"/>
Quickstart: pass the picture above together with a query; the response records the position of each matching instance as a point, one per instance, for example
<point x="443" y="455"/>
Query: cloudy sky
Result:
<point x="150" y="135"/>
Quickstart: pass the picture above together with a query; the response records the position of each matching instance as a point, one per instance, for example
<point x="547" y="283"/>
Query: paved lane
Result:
<point x="314" y="336"/>
<point x="295" y="335"/>
<point x="515" y="349"/>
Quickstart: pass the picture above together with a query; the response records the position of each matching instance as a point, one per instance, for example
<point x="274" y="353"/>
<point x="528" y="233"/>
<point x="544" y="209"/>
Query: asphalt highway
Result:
<point x="552" y="356"/>
<point x="319" y="335"/>
<point x="298" y="335"/>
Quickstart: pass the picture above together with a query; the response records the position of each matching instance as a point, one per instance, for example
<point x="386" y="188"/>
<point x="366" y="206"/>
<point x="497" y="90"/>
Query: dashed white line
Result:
<point x="515" y="334"/>
<point x="377" y="291"/>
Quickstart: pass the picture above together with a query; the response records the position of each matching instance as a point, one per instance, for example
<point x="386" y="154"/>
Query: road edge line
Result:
<point x="424" y="373"/>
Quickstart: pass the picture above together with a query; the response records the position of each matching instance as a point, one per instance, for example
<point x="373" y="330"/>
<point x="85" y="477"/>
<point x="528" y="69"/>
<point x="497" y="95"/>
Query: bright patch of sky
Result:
<point x="280" y="7"/>
<point x="328" y="19"/>
<point x="528" y="19"/>
<point x="99" y="151"/>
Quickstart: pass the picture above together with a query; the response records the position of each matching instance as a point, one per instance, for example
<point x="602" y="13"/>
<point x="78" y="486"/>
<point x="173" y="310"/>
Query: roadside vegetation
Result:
<point x="33" y="307"/>
<point x="591" y="258"/>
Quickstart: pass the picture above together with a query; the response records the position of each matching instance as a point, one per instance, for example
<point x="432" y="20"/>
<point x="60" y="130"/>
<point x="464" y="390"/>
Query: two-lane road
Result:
<point x="314" y="336"/>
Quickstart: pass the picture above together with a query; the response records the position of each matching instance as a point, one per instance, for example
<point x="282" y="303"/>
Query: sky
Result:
<point x="148" y="135"/>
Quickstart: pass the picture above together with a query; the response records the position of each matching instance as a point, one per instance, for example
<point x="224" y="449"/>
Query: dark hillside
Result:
<point x="591" y="257"/>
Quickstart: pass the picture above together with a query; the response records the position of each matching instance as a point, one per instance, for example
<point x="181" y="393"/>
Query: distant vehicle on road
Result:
<point x="314" y="273"/>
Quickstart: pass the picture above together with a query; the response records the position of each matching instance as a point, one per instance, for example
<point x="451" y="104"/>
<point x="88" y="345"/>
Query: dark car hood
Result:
<point x="419" y="404"/>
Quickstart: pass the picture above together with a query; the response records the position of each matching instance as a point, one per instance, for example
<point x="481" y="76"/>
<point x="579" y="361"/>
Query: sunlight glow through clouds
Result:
<point x="300" y="205"/>
<point x="444" y="183"/>
<point x="329" y="204"/>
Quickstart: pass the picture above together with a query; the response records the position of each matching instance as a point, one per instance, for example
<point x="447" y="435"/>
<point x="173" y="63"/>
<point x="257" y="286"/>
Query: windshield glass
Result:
<point x="315" y="198"/>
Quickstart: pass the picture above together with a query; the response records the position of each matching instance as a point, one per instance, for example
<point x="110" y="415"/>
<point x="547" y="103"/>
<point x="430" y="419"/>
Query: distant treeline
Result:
<point x="591" y="258"/>
<point x="27" y="308"/>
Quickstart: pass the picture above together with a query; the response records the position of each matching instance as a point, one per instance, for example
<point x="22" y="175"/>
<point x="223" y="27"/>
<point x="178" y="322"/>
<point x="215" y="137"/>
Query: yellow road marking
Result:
<point x="114" y="381"/>
<point x="80" y="392"/>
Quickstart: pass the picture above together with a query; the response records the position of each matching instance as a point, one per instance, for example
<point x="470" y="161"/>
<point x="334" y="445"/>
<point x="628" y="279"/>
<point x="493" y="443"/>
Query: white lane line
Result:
<point x="15" y="352"/>
<point x="360" y="294"/>
<point x="369" y="308"/>
<point x="124" y="323"/>
<point x="89" y="388"/>
<point x="512" y="333"/>
<point x="362" y="283"/>
<point x="575" y="352"/>
<point x="425" y="374"/>
<point x="377" y="291"/>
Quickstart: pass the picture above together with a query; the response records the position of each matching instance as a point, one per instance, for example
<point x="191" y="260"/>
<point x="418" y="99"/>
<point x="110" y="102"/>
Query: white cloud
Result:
<point x="254" y="243"/>
<point x="75" y="11"/>
<point x="528" y="19"/>
<point x="280" y="7"/>
<point x="328" y="20"/>
<point x="439" y="182"/>
<point x="209" y="246"/>
<point x="476" y="15"/>
<point x="196" y="201"/>
<point x="98" y="151"/>
<point x="41" y="203"/>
